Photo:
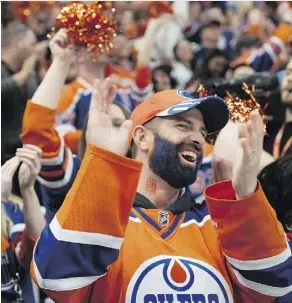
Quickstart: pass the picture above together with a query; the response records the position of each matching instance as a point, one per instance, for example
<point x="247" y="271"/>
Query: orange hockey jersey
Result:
<point x="99" y="248"/>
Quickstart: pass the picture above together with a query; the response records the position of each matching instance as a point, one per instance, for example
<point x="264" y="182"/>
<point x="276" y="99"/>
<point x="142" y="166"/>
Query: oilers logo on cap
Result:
<point x="172" y="279"/>
<point x="182" y="106"/>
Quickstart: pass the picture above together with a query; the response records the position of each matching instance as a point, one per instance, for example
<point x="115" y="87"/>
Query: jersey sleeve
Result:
<point x="253" y="241"/>
<point x="85" y="236"/>
<point x="59" y="165"/>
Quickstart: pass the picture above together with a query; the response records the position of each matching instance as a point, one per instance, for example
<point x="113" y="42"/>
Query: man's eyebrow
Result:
<point x="189" y="122"/>
<point x="182" y="119"/>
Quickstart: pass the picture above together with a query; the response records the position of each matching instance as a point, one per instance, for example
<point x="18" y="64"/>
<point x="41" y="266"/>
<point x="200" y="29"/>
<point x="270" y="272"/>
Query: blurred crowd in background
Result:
<point x="220" y="44"/>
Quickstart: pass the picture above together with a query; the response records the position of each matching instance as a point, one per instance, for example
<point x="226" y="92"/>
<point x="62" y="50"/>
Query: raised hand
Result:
<point x="248" y="156"/>
<point x="30" y="156"/>
<point x="7" y="172"/>
<point x="100" y="131"/>
<point x="237" y="154"/>
<point x="61" y="47"/>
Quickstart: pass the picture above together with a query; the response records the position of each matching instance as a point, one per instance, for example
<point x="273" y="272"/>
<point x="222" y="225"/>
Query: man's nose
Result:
<point x="198" y="139"/>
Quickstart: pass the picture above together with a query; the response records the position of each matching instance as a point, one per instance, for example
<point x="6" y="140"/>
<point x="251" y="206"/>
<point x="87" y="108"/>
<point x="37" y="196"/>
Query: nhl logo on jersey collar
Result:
<point x="163" y="218"/>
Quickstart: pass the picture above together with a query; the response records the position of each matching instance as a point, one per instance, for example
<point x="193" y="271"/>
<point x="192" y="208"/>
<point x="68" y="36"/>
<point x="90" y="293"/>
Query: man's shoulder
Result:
<point x="5" y="71"/>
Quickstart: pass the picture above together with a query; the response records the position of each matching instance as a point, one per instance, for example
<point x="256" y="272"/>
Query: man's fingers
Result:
<point x="105" y="94"/>
<point x="28" y="163"/>
<point x="34" y="148"/>
<point x="10" y="166"/>
<point x="95" y="103"/>
<point x="247" y="152"/>
<point x="106" y="88"/>
<point x="256" y="119"/>
<point x="242" y="131"/>
<point x="29" y="154"/>
<point x="112" y="94"/>
<point x="258" y="129"/>
<point x="251" y="128"/>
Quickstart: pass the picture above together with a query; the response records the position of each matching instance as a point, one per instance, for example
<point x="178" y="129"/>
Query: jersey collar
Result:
<point x="184" y="203"/>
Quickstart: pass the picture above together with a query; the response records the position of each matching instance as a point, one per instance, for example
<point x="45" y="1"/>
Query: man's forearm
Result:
<point x="48" y="93"/>
<point x="34" y="219"/>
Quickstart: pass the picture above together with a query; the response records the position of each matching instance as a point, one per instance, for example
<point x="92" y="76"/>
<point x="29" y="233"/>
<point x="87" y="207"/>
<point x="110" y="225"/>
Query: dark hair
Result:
<point x="82" y="142"/>
<point x="204" y="73"/>
<point x="276" y="180"/>
<point x="246" y="41"/>
<point x="210" y="24"/>
<point x="167" y="70"/>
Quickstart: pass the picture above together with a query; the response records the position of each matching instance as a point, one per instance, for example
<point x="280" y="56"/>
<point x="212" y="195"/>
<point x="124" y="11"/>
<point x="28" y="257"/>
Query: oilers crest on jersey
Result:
<point x="171" y="279"/>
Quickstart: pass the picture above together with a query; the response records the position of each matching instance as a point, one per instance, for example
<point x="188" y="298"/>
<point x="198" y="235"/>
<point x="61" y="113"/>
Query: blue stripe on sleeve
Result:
<point x="276" y="276"/>
<point x="58" y="259"/>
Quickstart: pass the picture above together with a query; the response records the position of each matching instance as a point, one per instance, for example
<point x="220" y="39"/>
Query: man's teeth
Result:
<point x="189" y="156"/>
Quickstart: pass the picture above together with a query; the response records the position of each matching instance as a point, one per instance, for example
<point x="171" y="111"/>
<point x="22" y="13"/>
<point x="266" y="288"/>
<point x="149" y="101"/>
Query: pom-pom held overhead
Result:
<point x="90" y="26"/>
<point x="22" y="9"/>
<point x="240" y="109"/>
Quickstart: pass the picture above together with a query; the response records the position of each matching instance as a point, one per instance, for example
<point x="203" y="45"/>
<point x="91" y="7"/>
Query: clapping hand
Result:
<point x="100" y="130"/>
<point x="241" y="163"/>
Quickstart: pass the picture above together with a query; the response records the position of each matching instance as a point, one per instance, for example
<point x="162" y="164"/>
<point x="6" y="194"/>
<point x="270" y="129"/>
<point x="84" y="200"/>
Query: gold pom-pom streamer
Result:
<point x="240" y="109"/>
<point x="91" y="26"/>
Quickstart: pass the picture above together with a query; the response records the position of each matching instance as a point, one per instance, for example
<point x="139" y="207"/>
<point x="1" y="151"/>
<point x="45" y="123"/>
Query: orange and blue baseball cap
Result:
<point x="174" y="102"/>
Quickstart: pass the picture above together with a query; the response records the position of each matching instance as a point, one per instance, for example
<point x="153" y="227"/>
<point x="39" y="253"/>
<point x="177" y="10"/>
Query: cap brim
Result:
<point x="214" y="109"/>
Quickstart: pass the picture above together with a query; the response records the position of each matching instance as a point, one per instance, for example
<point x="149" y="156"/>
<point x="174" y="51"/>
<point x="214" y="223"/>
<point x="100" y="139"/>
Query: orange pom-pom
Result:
<point x="157" y="8"/>
<point x="22" y="9"/>
<point x="90" y="26"/>
<point x="240" y="109"/>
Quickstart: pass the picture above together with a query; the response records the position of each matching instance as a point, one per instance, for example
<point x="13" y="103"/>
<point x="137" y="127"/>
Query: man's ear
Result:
<point x="141" y="138"/>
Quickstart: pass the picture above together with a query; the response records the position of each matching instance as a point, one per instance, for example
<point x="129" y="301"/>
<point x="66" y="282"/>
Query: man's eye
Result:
<point x="182" y="127"/>
<point x="204" y="134"/>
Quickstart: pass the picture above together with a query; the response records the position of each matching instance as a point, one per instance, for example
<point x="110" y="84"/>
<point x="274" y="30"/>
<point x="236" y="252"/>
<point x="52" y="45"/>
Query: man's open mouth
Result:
<point x="189" y="156"/>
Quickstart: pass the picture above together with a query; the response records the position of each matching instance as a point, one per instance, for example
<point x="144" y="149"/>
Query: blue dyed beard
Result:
<point x="164" y="162"/>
